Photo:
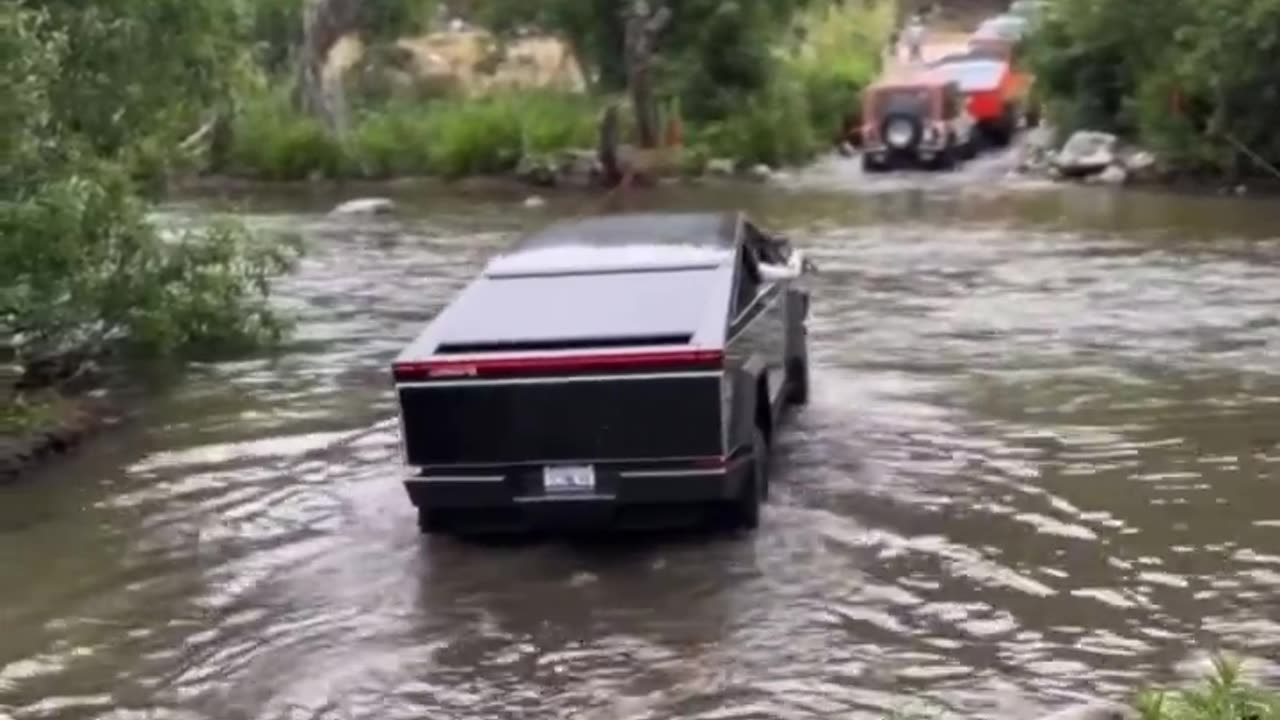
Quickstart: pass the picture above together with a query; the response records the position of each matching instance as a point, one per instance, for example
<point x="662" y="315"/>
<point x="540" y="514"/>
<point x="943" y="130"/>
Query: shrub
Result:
<point x="837" y="54"/>
<point x="1224" y="695"/>
<point x="83" y="271"/>
<point x="780" y="99"/>
<point x="773" y="127"/>
<point x="394" y="142"/>
<point x="272" y="141"/>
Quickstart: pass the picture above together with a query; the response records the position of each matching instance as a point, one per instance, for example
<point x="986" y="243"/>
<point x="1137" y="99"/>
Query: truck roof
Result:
<point x="622" y="243"/>
<point x="631" y="279"/>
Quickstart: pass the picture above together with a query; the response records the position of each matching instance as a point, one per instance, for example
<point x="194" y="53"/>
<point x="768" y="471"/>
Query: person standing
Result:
<point x="915" y="38"/>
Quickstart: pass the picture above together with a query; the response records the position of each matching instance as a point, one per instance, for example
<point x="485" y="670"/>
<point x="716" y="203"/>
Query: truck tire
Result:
<point x="798" y="380"/>
<point x="946" y="158"/>
<point x="746" y="509"/>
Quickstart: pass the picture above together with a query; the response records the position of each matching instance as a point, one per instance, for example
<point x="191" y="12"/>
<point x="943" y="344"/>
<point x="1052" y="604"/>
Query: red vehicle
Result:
<point x="915" y="118"/>
<point x="992" y="92"/>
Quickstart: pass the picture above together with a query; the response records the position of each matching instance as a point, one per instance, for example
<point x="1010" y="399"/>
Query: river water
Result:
<point x="1040" y="463"/>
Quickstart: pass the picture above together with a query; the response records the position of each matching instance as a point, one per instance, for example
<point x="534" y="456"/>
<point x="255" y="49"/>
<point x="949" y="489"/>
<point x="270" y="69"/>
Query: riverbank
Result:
<point x="1099" y="158"/>
<point x="43" y="425"/>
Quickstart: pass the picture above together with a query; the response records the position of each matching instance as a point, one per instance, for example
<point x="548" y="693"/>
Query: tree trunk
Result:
<point x="324" y="22"/>
<point x="642" y="28"/>
<point x="608" y="148"/>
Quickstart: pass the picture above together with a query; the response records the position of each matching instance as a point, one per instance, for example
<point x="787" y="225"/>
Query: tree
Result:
<point x="82" y="271"/>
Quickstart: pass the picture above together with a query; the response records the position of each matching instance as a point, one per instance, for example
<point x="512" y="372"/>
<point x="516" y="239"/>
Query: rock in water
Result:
<point x="1113" y="175"/>
<point x="365" y="206"/>
<point x="722" y="167"/>
<point x="1100" y="710"/>
<point x="1086" y="153"/>
<point x="761" y="173"/>
<point x="1139" y="161"/>
<point x="533" y="201"/>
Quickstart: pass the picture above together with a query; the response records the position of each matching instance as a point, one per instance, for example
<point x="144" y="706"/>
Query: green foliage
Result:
<point x="272" y="141"/>
<point x="772" y="126"/>
<point x="275" y="32"/>
<point x="836" y="55"/>
<point x="100" y="93"/>
<point x="395" y="18"/>
<point x="1119" y="65"/>
<point x="131" y="69"/>
<point x="32" y="412"/>
<point x="1222" y="696"/>
<point x="81" y="268"/>
<point x="447" y="137"/>
<point x="393" y="142"/>
<point x="776" y="97"/>
<point x="592" y="28"/>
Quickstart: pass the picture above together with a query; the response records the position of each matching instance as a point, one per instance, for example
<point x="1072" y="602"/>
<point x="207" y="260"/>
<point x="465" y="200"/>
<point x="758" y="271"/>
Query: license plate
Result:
<point x="569" y="479"/>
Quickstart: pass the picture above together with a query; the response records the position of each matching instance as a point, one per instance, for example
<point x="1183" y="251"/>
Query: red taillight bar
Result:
<point x="557" y="364"/>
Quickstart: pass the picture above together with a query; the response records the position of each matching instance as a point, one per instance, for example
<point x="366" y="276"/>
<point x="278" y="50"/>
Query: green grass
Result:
<point x="31" y="412"/>
<point x="1224" y="695"/>
<point x="451" y="137"/>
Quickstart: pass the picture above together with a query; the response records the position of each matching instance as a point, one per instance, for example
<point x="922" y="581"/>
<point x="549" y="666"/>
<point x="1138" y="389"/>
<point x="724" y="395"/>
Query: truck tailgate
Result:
<point x="547" y="420"/>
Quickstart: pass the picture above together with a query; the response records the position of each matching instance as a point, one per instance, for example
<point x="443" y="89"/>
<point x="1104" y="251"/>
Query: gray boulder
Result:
<point x="1112" y="175"/>
<point x="536" y="171"/>
<point x="722" y="167"/>
<point x="1086" y="153"/>
<point x="579" y="168"/>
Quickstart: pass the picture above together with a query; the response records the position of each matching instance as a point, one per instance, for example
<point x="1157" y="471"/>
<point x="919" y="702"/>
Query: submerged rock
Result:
<point x="365" y="206"/>
<point x="1086" y="153"/>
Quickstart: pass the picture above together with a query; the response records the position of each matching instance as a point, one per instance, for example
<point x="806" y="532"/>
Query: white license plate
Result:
<point x="569" y="479"/>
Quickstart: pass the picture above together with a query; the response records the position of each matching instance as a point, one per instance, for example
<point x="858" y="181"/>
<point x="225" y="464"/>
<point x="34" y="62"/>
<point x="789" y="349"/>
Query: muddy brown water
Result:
<point x="1040" y="463"/>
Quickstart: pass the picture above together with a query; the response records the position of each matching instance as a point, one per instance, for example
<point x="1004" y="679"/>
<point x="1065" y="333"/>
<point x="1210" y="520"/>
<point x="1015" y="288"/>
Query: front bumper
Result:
<point x="631" y="494"/>
<point x="920" y="153"/>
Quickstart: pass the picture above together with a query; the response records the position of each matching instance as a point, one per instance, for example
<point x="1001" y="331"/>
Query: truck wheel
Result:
<point x="946" y="159"/>
<point x="798" y="380"/>
<point x="751" y="495"/>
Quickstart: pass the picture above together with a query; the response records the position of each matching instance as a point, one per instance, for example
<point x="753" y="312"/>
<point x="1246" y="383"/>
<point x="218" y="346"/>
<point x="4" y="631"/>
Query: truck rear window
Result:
<point x="580" y="309"/>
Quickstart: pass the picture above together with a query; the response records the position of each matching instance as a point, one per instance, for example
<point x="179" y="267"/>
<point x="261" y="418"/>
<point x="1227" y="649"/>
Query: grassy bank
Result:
<point x="452" y="137"/>
<point x="1224" y="695"/>
<point x="805" y="82"/>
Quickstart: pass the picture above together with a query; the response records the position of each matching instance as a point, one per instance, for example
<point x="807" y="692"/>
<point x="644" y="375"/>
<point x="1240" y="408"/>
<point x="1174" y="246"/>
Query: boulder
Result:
<point x="722" y="167"/>
<point x="534" y="201"/>
<point x="1086" y="153"/>
<point x="580" y="168"/>
<point x="1113" y="175"/>
<point x="536" y="171"/>
<point x="1139" y="161"/>
<point x="365" y="206"/>
<point x="761" y="172"/>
